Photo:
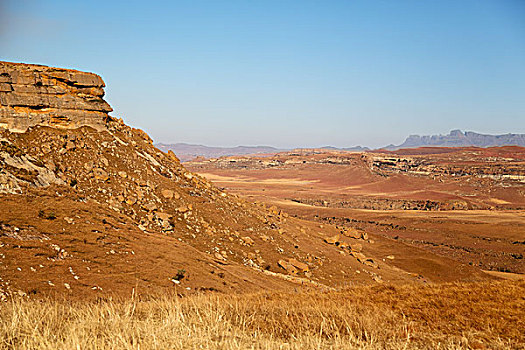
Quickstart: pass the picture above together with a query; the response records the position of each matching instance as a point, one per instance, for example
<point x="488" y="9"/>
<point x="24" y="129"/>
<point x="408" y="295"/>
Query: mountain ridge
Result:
<point x="456" y="138"/>
<point x="187" y="151"/>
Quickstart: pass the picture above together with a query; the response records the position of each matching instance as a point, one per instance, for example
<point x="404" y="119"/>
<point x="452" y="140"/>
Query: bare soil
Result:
<point x="465" y="205"/>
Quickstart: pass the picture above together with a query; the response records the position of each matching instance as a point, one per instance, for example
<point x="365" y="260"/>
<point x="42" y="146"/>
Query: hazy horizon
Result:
<point x="322" y="146"/>
<point x="287" y="73"/>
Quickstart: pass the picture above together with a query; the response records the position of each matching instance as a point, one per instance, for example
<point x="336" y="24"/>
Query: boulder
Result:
<point x="352" y="233"/>
<point x="370" y="262"/>
<point x="364" y="260"/>
<point x="336" y="240"/>
<point x="302" y="267"/>
<point x="183" y="209"/>
<point x="168" y="194"/>
<point x="359" y="256"/>
<point x="100" y="174"/>
<point x="163" y="216"/>
<point x="248" y="240"/>
<point x="150" y="206"/>
<point x="356" y="247"/>
<point x="288" y="267"/>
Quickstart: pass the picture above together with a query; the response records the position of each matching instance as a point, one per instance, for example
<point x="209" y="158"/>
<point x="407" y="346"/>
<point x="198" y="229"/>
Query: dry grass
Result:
<point x="451" y="316"/>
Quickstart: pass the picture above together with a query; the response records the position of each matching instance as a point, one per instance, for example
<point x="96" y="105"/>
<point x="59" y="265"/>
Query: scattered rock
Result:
<point x="336" y="240"/>
<point x="359" y="256"/>
<point x="184" y="209"/>
<point x="100" y="174"/>
<point x="288" y="267"/>
<point x="168" y="194"/>
<point x="248" y="240"/>
<point x="265" y="238"/>
<point x="354" y="233"/>
<point x="370" y="262"/>
<point x="356" y="247"/>
<point x="351" y="232"/>
<point x="302" y="267"/>
<point x="150" y="207"/>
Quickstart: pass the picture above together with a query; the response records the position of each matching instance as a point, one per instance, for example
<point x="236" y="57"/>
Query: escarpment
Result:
<point x="32" y="95"/>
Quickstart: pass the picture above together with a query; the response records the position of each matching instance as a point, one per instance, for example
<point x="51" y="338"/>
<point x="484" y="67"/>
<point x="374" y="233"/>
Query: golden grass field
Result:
<point x="488" y="315"/>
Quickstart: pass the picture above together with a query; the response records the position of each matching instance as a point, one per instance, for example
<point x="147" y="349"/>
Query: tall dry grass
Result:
<point x="451" y="316"/>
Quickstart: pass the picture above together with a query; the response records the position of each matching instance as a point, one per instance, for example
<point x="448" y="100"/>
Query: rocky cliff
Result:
<point x="33" y="95"/>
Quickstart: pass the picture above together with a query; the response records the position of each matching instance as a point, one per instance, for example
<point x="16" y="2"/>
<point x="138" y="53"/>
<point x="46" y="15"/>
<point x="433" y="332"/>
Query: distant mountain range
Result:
<point x="457" y="138"/>
<point x="187" y="152"/>
<point x="349" y="149"/>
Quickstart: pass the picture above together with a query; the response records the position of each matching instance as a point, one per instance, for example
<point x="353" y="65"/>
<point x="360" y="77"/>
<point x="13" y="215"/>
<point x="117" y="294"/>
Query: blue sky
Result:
<point x="287" y="73"/>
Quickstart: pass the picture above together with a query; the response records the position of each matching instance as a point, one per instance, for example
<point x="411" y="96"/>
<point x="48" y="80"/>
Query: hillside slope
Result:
<point x="90" y="207"/>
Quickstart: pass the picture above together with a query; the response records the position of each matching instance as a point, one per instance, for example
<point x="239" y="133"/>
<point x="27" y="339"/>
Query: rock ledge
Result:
<point x="33" y="95"/>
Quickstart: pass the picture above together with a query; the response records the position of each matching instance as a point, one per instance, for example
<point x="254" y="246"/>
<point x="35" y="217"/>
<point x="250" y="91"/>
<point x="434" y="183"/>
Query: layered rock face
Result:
<point x="33" y="95"/>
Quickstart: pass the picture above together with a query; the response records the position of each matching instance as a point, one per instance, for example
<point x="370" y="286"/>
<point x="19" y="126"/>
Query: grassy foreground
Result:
<point x="450" y="316"/>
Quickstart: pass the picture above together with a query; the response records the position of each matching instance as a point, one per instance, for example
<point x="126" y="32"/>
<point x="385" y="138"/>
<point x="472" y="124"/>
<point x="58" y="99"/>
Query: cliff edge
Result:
<point x="33" y="95"/>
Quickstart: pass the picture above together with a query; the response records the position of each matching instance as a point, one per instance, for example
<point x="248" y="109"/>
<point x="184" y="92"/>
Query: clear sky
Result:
<point x="287" y="73"/>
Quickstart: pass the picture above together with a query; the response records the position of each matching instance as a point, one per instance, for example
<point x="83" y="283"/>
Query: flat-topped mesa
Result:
<point x="32" y="95"/>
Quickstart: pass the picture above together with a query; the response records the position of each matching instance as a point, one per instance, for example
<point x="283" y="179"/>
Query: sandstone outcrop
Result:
<point x="33" y="95"/>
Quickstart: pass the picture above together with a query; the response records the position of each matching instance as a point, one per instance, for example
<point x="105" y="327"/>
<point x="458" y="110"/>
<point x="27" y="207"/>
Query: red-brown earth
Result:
<point x="462" y="204"/>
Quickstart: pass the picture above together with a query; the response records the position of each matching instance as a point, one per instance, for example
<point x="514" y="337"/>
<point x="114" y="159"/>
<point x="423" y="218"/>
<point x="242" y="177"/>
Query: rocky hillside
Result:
<point x="90" y="207"/>
<point x="457" y="138"/>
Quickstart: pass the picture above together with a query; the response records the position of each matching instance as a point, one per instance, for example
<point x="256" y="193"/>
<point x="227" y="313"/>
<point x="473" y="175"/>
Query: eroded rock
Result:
<point x="33" y="95"/>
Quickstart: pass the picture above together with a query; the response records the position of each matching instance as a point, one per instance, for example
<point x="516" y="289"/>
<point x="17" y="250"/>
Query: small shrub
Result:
<point x="180" y="275"/>
<point x="49" y="216"/>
